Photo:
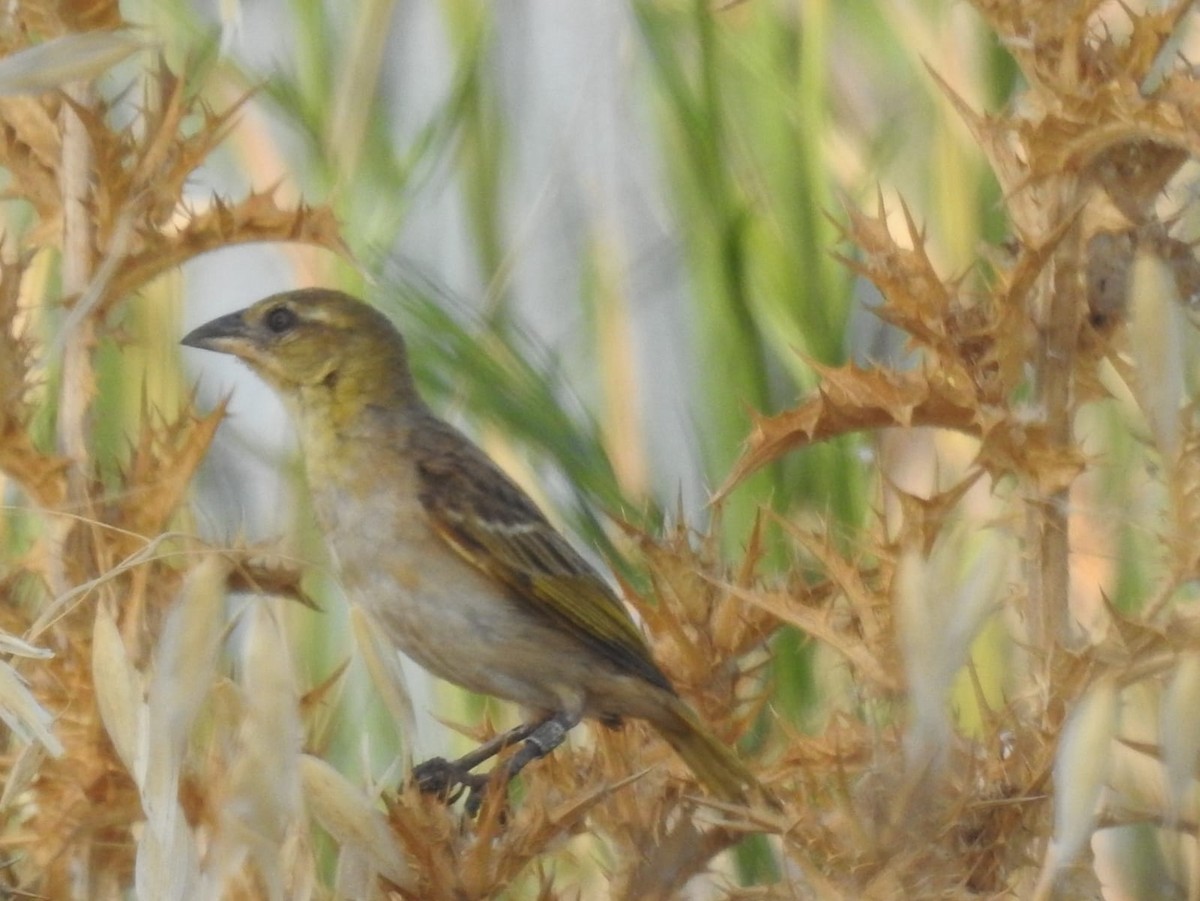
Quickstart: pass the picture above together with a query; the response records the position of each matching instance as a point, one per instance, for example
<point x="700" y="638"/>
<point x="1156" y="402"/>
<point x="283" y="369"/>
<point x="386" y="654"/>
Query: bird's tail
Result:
<point x="713" y="762"/>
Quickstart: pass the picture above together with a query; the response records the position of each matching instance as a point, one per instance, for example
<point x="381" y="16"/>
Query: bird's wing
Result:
<point x="493" y="525"/>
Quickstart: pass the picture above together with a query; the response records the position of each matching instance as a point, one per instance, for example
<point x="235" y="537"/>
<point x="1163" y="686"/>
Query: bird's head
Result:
<point x="315" y="340"/>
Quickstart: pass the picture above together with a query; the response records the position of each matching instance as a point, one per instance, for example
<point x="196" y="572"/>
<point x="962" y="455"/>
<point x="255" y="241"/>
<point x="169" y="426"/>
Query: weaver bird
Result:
<point x="450" y="557"/>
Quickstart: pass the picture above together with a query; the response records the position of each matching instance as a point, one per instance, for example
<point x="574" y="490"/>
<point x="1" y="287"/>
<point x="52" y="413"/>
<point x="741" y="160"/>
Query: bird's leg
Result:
<point x="437" y="776"/>
<point x="539" y="741"/>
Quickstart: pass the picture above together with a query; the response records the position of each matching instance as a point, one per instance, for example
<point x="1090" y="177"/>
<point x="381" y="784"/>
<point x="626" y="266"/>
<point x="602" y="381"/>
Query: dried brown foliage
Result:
<point x="90" y="591"/>
<point x="1082" y="158"/>
<point x="149" y="751"/>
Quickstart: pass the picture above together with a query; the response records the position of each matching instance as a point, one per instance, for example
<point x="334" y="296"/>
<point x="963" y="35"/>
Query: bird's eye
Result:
<point x="280" y="319"/>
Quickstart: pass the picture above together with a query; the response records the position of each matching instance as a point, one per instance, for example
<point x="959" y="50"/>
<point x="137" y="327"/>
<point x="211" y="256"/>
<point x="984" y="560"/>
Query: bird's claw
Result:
<point x="434" y="776"/>
<point x="439" y="776"/>
<point x="447" y="779"/>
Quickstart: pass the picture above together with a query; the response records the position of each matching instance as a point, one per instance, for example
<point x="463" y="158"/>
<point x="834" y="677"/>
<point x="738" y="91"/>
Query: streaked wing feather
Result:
<point x="493" y="525"/>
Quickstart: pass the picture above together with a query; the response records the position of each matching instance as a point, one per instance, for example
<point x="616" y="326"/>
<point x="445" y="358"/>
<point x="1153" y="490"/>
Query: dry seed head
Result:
<point x="930" y="726"/>
<point x="186" y="657"/>
<point x="347" y="815"/>
<point x="1156" y="334"/>
<point x="387" y="677"/>
<point x="1081" y="769"/>
<point x="72" y="57"/>
<point x="120" y="692"/>
<point x="21" y="712"/>
<point x="167" y="867"/>
<point x="939" y="614"/>
<point x="184" y="669"/>
<point x="1179" y="730"/>
<point x="10" y="644"/>
<point x="265" y="800"/>
<point x="20" y="774"/>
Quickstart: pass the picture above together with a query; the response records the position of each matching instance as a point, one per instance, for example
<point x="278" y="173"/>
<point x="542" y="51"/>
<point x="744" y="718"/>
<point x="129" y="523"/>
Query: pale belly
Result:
<point x="439" y="611"/>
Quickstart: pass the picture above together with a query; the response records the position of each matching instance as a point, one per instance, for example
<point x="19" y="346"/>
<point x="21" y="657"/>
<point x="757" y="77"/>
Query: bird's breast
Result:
<point x="435" y="607"/>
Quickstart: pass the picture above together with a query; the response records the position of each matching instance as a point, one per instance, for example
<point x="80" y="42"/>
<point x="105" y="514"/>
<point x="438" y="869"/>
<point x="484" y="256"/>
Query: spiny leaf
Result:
<point x="30" y="148"/>
<point x="258" y="217"/>
<point x="851" y="399"/>
<point x="41" y="475"/>
<point x="162" y="468"/>
<point x="829" y="628"/>
<point x="926" y="517"/>
<point x="916" y="298"/>
<point x="1029" y="451"/>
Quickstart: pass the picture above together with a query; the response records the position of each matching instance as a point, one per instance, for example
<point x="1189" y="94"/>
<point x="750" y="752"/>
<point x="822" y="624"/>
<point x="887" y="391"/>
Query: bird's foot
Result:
<point x="447" y="779"/>
<point x="439" y="776"/>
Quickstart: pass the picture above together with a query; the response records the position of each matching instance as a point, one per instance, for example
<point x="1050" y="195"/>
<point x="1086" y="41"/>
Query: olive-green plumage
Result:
<point x="449" y="555"/>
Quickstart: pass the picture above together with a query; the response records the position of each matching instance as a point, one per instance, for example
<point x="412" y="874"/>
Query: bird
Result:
<point x="453" y="560"/>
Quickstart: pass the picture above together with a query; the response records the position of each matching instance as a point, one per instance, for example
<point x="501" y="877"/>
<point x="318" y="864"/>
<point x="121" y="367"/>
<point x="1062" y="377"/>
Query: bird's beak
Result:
<point x="225" y="334"/>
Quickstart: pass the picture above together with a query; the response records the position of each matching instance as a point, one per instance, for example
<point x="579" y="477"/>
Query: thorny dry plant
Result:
<point x="148" y="751"/>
